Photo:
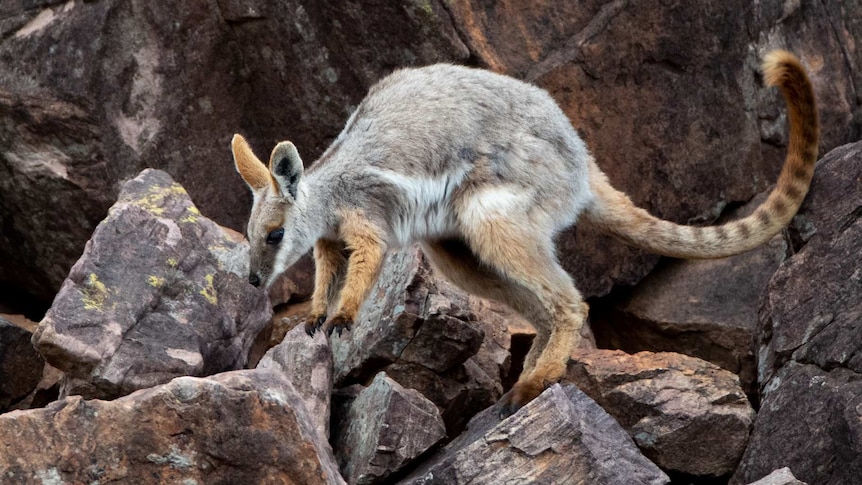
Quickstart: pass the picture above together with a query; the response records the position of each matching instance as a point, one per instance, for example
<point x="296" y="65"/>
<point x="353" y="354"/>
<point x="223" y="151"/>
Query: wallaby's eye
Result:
<point x="274" y="236"/>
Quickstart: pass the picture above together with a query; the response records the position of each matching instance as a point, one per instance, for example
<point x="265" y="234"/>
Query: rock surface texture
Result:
<point x="686" y="415"/>
<point x="779" y="477"/>
<point x="236" y="427"/>
<point x="810" y="340"/>
<point x="160" y="292"/>
<point x="562" y="436"/>
<point x="384" y="428"/>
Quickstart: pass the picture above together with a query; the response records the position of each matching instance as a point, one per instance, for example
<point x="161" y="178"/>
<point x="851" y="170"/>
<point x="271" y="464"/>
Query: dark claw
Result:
<point x="310" y="328"/>
<point x="338" y="324"/>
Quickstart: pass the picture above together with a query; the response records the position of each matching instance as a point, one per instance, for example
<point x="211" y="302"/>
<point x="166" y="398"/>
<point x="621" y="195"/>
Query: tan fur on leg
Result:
<point x="365" y="243"/>
<point x="328" y="261"/>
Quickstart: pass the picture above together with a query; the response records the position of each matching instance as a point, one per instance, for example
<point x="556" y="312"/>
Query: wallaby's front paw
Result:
<point x="313" y="323"/>
<point x="338" y="324"/>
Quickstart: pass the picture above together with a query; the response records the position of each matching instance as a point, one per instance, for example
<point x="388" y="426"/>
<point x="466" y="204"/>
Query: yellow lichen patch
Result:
<point x="155" y="281"/>
<point x="194" y="210"/>
<point x="94" y="293"/>
<point x="209" y="291"/>
<point x="189" y="219"/>
<point x="177" y="189"/>
<point x="173" y="263"/>
<point x="154" y="201"/>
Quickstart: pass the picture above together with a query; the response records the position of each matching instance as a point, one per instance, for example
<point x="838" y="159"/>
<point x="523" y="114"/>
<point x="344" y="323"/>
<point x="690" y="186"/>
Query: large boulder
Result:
<point x="160" y="292"/>
<point x="687" y="415"/>
<point x="810" y="339"/>
<point x="562" y="436"/>
<point x="238" y="427"/>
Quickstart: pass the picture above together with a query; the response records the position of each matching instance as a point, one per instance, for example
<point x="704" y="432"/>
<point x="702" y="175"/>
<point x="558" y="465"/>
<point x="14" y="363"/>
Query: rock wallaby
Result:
<point x="483" y="171"/>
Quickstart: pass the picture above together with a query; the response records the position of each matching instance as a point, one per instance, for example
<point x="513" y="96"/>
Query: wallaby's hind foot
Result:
<point x="519" y="395"/>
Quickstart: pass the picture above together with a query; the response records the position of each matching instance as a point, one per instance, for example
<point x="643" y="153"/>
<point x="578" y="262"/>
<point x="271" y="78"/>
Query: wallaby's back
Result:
<point x="613" y="212"/>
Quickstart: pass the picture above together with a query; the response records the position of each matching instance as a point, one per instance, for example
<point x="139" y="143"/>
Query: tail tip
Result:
<point x="777" y="64"/>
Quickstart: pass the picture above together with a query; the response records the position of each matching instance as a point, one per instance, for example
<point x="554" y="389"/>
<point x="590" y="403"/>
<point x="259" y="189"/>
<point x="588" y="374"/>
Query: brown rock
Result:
<point x="384" y="429"/>
<point x="307" y="363"/>
<point x="686" y="415"/>
<point x="562" y="436"/>
<point x="173" y="81"/>
<point x="294" y="285"/>
<point x="20" y="364"/>
<point x="160" y="292"/>
<point x="810" y="340"/>
<point x="701" y="308"/>
<point x="239" y="427"/>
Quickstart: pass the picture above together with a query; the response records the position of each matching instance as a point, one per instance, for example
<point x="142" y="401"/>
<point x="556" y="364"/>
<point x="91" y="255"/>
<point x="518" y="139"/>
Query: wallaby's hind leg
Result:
<point x="329" y="262"/>
<point x="516" y="249"/>
<point x="453" y="259"/>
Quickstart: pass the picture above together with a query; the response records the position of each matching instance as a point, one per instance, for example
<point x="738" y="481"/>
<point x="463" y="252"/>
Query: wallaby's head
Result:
<point x="275" y="234"/>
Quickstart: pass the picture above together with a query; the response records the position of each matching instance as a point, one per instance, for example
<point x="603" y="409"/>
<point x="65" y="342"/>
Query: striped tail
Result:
<point x="613" y="212"/>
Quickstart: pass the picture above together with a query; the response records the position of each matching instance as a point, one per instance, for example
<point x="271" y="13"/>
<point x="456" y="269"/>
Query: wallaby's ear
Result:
<point x="250" y="168"/>
<point x="286" y="167"/>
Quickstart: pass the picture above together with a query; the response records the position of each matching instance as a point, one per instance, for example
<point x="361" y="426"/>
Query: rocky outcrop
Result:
<point x="20" y="365"/>
<point x="160" y="292"/>
<point x="383" y="429"/>
<point x="809" y="345"/>
<point x="236" y="427"/>
<point x="562" y="436"/>
<point x="686" y="415"/>
<point x="779" y="477"/>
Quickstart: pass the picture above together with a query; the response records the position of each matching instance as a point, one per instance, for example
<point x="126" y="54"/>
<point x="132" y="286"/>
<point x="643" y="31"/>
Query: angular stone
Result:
<point x="307" y="363"/>
<point x="20" y="365"/>
<point x="160" y="292"/>
<point x="238" y="427"/>
<point x="779" y="477"/>
<point x="813" y="304"/>
<point x="686" y="415"/>
<point x="562" y="436"/>
<point x="810" y="419"/>
<point x="384" y="429"/>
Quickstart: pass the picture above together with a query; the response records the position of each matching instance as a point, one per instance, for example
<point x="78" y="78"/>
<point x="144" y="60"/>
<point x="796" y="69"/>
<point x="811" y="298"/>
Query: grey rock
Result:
<point x="160" y="292"/>
<point x="384" y="428"/>
<point x="307" y="363"/>
<point x="779" y="477"/>
<point x="562" y="436"/>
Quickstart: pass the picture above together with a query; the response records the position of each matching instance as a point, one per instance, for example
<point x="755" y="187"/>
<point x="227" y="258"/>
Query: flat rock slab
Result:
<point x="384" y="429"/>
<point x="687" y="415"/>
<point x="160" y="292"/>
<point x="562" y="437"/>
<point x="238" y="427"/>
<point x="20" y="365"/>
<point x="307" y="363"/>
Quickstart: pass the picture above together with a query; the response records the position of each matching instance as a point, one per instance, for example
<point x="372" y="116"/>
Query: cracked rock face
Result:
<point x="687" y="415"/>
<point x="238" y="427"/>
<point x="810" y="340"/>
<point x="160" y="292"/>
<point x="562" y="436"/>
<point x="383" y="429"/>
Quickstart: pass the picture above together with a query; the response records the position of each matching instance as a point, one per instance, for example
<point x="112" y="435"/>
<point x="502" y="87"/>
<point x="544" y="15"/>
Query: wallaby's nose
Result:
<point x="254" y="279"/>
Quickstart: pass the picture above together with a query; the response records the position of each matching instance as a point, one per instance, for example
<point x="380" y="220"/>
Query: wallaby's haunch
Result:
<point x="483" y="171"/>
